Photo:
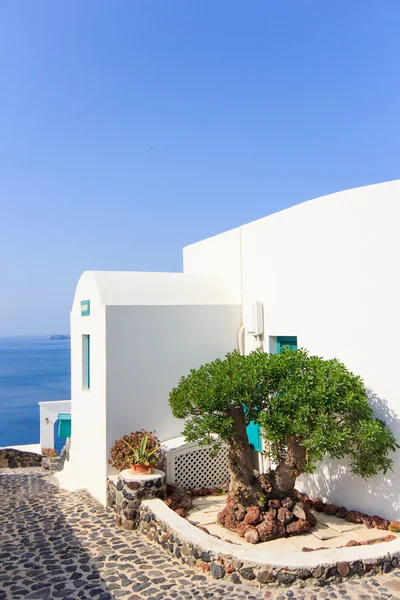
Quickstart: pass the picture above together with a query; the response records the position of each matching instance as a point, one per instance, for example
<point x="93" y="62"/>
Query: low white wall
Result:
<point x="326" y="272"/>
<point x="149" y="348"/>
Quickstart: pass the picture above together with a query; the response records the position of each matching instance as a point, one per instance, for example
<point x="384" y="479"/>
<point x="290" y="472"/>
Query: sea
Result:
<point x="32" y="369"/>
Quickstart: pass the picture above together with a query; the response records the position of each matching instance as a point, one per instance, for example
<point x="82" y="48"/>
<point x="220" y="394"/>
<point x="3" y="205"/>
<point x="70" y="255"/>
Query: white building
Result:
<point x="326" y="273"/>
<point x="133" y="335"/>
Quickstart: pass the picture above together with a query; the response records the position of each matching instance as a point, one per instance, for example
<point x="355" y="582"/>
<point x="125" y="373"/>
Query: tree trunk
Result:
<point x="284" y="477"/>
<point x="243" y="485"/>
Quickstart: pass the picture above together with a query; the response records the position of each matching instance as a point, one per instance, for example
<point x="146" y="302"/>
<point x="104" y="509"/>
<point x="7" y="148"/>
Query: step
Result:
<point x="337" y="524"/>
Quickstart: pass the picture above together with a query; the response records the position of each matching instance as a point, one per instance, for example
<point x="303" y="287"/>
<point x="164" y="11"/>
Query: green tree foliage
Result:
<point x="208" y="394"/>
<point x="308" y="408"/>
<point x="325" y="408"/>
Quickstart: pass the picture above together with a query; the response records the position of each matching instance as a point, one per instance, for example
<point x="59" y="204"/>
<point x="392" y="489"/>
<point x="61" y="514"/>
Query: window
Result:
<point x="86" y="362"/>
<point x="287" y="341"/>
<point x="276" y="343"/>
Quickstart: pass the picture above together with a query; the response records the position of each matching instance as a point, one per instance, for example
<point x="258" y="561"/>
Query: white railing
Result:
<point x="49" y="412"/>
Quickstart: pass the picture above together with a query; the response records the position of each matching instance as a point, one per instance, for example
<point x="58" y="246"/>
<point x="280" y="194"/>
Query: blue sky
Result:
<point x="129" y="129"/>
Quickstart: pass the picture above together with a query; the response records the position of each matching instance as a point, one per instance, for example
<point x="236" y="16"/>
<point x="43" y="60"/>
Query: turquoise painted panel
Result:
<point x="85" y="308"/>
<point x="64" y="425"/>
<point x="59" y="442"/>
<point x="289" y="341"/>
<point x="254" y="436"/>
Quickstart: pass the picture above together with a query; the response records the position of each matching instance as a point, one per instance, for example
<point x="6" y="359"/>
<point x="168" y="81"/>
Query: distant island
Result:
<point x="59" y="337"/>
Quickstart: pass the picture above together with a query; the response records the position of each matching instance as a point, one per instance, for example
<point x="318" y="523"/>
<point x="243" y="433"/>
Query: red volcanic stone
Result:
<point x="274" y="503"/>
<point x="181" y="512"/>
<point x="253" y="516"/>
<point x="354" y="516"/>
<point x="230" y="501"/>
<point x="390" y="538"/>
<point x="287" y="503"/>
<point x="395" y="526"/>
<point x="270" y="530"/>
<point x="343" y="569"/>
<point x="352" y="543"/>
<point x="230" y="569"/>
<point x="331" y="509"/>
<point x="240" y="514"/>
<point x="204" y="566"/>
<point x="302" y="511"/>
<point x="252" y="536"/>
<point x="297" y="527"/>
<point x="302" y="497"/>
<point x="227" y="518"/>
<point x="181" y="497"/>
<point x="368" y="522"/>
<point x="171" y="503"/>
<point x="380" y="523"/>
<point x="318" y="505"/>
<point x="341" y="513"/>
<point x="312" y="519"/>
<point x="242" y="527"/>
<point x="285" y="516"/>
<point x="270" y="515"/>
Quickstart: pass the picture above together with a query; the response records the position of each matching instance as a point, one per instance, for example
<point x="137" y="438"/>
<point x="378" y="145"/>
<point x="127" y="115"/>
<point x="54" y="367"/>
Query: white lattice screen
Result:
<point x="193" y="467"/>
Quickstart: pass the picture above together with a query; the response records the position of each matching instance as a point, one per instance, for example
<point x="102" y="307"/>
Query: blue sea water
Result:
<point x="32" y="369"/>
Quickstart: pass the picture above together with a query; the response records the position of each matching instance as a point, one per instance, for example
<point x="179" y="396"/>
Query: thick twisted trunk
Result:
<point x="284" y="477"/>
<point x="243" y="485"/>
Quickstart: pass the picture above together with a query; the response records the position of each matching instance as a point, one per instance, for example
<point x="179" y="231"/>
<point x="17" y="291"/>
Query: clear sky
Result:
<point x="129" y="129"/>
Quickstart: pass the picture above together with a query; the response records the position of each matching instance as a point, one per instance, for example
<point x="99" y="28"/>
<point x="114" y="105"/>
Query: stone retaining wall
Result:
<point x="15" y="459"/>
<point x="231" y="564"/>
<point x="125" y="493"/>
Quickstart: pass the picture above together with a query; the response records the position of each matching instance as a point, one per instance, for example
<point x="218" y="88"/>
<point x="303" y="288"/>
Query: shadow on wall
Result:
<point x="334" y="482"/>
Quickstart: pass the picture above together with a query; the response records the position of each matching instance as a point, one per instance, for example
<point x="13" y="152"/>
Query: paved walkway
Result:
<point x="57" y="544"/>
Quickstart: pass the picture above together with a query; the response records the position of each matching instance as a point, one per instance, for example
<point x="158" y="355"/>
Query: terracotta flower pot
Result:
<point x="141" y="469"/>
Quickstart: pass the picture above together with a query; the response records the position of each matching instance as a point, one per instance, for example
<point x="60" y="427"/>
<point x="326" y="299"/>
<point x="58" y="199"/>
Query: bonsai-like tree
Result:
<point x="309" y="408"/>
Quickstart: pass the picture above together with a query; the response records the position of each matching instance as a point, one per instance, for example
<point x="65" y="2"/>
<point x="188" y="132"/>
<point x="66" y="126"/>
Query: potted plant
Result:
<point x="140" y="451"/>
<point x="49" y="452"/>
<point x="143" y="457"/>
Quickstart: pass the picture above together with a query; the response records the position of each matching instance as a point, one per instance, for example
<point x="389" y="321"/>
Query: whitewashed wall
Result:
<point x="87" y="466"/>
<point x="146" y="331"/>
<point x="327" y="272"/>
<point x="149" y="348"/>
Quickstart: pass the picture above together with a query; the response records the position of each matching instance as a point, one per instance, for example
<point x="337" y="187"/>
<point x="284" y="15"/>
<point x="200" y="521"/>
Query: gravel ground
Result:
<point x="58" y="544"/>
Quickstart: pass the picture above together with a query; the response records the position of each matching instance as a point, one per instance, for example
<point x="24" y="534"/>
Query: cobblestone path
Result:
<point x="57" y="544"/>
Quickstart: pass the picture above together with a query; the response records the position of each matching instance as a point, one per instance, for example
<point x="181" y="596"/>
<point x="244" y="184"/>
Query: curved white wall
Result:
<point x="327" y="271"/>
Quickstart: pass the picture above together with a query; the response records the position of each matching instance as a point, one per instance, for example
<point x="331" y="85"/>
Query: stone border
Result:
<point x="10" y="458"/>
<point x="239" y="564"/>
<point x="126" y="491"/>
